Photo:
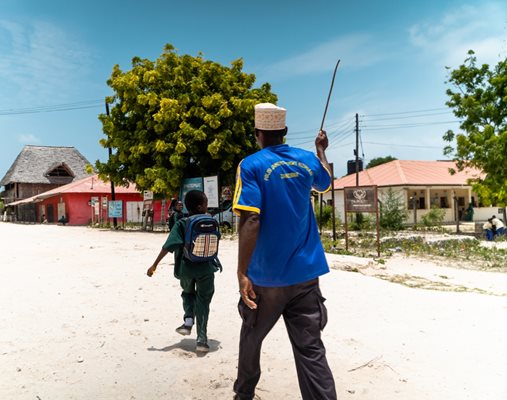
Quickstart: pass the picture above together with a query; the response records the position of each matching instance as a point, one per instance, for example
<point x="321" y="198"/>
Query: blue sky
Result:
<point x="393" y="57"/>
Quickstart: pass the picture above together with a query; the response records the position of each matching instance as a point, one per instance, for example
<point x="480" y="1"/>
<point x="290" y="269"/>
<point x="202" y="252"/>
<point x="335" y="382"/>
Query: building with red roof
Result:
<point x="420" y="185"/>
<point x="86" y="201"/>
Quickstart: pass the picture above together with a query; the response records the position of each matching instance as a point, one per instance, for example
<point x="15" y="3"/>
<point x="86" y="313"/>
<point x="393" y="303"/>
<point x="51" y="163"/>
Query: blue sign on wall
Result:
<point x="188" y="185"/>
<point x="115" y="209"/>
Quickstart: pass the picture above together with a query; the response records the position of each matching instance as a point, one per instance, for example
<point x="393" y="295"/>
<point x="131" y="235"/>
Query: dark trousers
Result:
<point x="305" y="315"/>
<point x="489" y="234"/>
<point x="197" y="294"/>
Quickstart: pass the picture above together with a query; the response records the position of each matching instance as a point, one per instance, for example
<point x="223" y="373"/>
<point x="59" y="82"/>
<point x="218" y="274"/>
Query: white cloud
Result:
<point x="28" y="139"/>
<point x="354" y="50"/>
<point x="480" y="28"/>
<point x="39" y="61"/>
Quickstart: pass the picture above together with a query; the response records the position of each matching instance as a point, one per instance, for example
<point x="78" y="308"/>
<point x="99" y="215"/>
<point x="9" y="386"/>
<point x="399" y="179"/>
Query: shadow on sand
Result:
<point x="189" y="346"/>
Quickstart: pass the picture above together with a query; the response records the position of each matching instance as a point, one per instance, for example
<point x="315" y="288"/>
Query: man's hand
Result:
<point x="321" y="141"/>
<point x="246" y="290"/>
<point x="151" y="270"/>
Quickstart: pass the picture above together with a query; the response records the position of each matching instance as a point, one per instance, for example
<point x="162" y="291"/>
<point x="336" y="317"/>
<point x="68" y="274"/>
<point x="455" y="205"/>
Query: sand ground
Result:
<point x="80" y="320"/>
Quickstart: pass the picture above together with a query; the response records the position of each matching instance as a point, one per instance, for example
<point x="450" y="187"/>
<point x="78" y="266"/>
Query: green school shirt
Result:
<point x="184" y="268"/>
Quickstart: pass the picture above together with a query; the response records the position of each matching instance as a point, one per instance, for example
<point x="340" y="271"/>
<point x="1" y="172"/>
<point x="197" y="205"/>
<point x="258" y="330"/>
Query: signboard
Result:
<point x="147" y="195"/>
<point x="361" y="199"/>
<point x="187" y="185"/>
<point x="115" y="209"/>
<point x="95" y="204"/>
<point x="211" y="190"/>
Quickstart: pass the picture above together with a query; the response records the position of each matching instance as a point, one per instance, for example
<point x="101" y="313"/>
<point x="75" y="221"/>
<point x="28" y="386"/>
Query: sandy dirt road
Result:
<point x="79" y="319"/>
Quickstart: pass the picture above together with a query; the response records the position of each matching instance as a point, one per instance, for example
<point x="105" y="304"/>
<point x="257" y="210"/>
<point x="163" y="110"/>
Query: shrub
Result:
<point x="392" y="211"/>
<point x="434" y="217"/>
<point x="327" y="217"/>
<point x="361" y="222"/>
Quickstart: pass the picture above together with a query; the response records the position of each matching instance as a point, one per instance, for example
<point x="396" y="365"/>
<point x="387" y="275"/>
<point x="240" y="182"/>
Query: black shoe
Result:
<point x="201" y="347"/>
<point x="184" y="330"/>
<point x="236" y="397"/>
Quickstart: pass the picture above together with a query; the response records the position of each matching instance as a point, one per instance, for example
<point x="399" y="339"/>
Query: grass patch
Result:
<point x="463" y="252"/>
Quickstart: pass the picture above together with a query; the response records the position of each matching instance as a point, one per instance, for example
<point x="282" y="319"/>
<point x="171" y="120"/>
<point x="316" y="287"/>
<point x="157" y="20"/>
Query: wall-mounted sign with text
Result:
<point x="115" y="209"/>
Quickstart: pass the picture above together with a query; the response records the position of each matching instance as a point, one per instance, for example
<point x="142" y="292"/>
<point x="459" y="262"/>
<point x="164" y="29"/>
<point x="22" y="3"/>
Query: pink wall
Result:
<point x="77" y="209"/>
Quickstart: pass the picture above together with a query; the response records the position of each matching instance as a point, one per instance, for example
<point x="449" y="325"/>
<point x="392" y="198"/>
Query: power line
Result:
<point x="54" y="108"/>
<point x="404" y="117"/>
<point x="410" y="125"/>
<point x="341" y="137"/>
<point x="406" y="112"/>
<point x="404" y="145"/>
<point x="361" y="141"/>
<point x="332" y="136"/>
<point x="338" y="125"/>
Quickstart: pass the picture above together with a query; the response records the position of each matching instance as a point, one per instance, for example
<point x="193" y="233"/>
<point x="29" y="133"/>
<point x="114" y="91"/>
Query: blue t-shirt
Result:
<point x="276" y="182"/>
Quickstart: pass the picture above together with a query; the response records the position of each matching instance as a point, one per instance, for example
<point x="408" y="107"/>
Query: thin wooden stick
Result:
<point x="329" y="95"/>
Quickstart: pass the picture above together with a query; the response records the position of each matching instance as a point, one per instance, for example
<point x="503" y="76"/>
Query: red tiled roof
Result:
<point x="406" y="172"/>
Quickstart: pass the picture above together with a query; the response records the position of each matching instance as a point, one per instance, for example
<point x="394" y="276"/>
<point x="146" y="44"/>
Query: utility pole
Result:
<point x="113" y="194"/>
<point x="356" y="151"/>
<point x="333" y="212"/>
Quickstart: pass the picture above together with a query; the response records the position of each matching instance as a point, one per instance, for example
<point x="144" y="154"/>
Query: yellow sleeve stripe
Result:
<point x="237" y="190"/>
<point x="237" y="193"/>
<point x="237" y="207"/>
<point x="331" y="176"/>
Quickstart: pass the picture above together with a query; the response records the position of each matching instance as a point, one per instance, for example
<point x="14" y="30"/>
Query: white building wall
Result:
<point x="134" y="211"/>
<point x="480" y="214"/>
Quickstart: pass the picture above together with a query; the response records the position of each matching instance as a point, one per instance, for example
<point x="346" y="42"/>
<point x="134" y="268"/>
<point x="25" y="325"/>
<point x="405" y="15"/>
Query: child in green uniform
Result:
<point x="176" y="215"/>
<point x="196" y="279"/>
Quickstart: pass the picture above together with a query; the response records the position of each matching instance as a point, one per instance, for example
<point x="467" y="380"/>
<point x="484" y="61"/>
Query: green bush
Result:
<point x="392" y="211"/>
<point x="434" y="217"/>
<point x="360" y="222"/>
<point x="327" y="217"/>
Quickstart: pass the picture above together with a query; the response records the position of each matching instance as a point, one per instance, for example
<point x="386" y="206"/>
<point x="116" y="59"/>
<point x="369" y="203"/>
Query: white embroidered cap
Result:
<point x="269" y="117"/>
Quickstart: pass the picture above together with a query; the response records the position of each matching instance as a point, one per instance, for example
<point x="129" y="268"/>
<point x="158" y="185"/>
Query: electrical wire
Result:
<point x="407" y="112"/>
<point x="410" y="125"/>
<point x="368" y="119"/>
<point x="361" y="144"/>
<point x="403" y="145"/>
<point x="80" y="105"/>
<point x="314" y="131"/>
<point x="332" y="136"/>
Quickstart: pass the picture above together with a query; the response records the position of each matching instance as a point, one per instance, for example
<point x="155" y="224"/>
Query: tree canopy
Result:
<point x="179" y="116"/>
<point x="478" y="97"/>
<point x="380" y="160"/>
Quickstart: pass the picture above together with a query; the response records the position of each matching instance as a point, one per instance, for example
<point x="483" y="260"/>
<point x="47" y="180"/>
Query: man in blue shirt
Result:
<point x="280" y="255"/>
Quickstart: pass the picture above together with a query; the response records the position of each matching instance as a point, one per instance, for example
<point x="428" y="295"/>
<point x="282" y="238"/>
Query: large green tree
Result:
<point x="478" y="97"/>
<point x="179" y="116"/>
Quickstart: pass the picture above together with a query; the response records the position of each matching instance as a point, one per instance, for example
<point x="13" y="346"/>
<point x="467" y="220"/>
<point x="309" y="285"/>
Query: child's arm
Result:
<point x="159" y="258"/>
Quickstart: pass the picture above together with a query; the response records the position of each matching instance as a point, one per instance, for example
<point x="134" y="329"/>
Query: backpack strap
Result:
<point x="218" y="265"/>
